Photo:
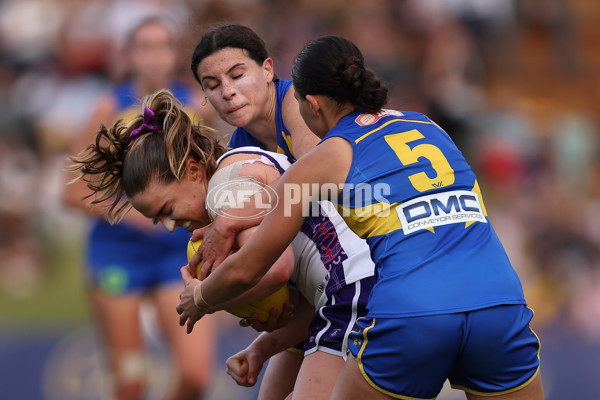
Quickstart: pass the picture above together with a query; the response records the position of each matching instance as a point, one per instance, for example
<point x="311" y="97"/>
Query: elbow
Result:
<point x="283" y="270"/>
<point x="244" y="277"/>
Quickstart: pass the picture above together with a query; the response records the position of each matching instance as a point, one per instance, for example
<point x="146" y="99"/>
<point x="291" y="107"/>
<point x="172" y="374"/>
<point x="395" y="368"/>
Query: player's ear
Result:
<point x="268" y="70"/>
<point x="193" y="170"/>
<point x="315" y="104"/>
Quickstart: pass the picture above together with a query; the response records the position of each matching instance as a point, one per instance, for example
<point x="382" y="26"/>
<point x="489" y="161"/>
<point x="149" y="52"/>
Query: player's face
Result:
<point x="152" y="53"/>
<point x="179" y="203"/>
<point x="236" y="86"/>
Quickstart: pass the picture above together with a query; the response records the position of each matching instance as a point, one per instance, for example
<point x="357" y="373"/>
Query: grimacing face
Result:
<point x="179" y="203"/>
<point x="236" y="86"/>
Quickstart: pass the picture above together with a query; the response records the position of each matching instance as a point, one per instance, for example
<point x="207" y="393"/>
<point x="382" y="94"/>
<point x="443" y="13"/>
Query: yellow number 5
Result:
<point x="445" y="174"/>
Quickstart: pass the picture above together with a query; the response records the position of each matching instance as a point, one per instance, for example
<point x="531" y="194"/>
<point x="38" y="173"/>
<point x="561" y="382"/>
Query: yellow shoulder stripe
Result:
<point x="374" y="220"/>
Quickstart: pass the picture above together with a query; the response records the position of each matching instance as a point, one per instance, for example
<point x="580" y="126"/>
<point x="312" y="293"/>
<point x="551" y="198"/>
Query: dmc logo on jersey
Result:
<point x="369" y="119"/>
<point x="458" y="206"/>
<point x="221" y="198"/>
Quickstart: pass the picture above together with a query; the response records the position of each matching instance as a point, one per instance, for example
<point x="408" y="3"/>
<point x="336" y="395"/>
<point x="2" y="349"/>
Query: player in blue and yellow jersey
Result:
<point x="447" y="303"/>
<point x="134" y="259"/>
<point x="237" y="76"/>
<point x="242" y="138"/>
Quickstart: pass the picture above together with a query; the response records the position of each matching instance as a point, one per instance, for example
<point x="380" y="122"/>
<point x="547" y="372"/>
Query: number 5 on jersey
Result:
<point x="407" y="156"/>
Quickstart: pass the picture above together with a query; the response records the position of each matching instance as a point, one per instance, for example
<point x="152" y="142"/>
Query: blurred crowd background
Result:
<point x="516" y="84"/>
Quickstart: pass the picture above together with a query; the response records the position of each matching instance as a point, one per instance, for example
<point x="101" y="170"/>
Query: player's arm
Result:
<point x="218" y="237"/>
<point x="329" y="163"/>
<point x="245" y="366"/>
<point x="277" y="276"/>
<point x="303" y="139"/>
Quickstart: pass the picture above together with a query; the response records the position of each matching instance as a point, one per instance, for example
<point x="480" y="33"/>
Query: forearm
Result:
<point x="272" y="281"/>
<point x="232" y="278"/>
<point x="244" y="269"/>
<point x="271" y="343"/>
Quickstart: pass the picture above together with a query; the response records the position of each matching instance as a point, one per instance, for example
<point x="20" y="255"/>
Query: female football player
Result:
<point x="175" y="172"/>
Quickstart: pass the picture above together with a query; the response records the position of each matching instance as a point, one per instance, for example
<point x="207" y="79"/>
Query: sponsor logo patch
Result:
<point x="370" y="119"/>
<point x="458" y="206"/>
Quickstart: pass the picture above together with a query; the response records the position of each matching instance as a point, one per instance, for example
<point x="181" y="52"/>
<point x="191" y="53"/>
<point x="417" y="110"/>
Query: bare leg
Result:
<point x="280" y="376"/>
<point x="118" y="321"/>
<point x="351" y="384"/>
<point x="317" y="376"/>
<point x="193" y="354"/>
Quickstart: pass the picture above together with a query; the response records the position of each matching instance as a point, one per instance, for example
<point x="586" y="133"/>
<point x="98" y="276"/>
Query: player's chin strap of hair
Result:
<point x="145" y="127"/>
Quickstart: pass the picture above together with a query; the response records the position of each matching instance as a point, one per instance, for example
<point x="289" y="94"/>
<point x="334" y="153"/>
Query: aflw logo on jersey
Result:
<point x="370" y="119"/>
<point x="457" y="206"/>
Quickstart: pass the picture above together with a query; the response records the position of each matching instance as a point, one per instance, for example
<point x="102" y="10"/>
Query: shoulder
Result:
<point x="329" y="162"/>
<point x="266" y="173"/>
<point x="252" y="165"/>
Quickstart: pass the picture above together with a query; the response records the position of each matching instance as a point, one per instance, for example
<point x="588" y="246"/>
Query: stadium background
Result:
<point x="516" y="84"/>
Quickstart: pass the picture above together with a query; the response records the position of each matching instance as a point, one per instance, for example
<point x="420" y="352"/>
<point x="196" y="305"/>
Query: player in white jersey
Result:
<point x="332" y="270"/>
<point x="161" y="164"/>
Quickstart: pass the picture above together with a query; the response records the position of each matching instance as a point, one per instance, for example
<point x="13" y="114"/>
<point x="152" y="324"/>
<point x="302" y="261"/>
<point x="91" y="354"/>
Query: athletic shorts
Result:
<point x="486" y="352"/>
<point x="138" y="264"/>
<point x="333" y="322"/>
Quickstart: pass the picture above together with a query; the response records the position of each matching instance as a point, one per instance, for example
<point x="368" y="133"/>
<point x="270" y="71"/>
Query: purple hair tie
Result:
<point x="148" y="117"/>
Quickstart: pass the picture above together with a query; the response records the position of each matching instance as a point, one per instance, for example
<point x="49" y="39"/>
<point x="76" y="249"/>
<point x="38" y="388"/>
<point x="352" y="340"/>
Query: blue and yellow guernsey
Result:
<point x="411" y="194"/>
<point x="242" y="137"/>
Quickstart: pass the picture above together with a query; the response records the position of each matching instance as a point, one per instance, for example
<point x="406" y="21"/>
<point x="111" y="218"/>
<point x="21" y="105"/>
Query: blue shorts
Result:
<point x="122" y="260"/>
<point x="334" y="321"/>
<point x="491" y="351"/>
